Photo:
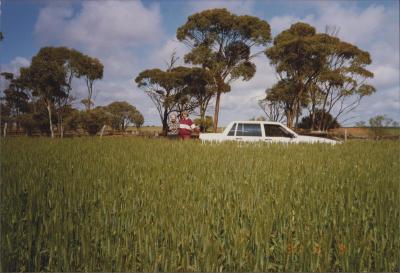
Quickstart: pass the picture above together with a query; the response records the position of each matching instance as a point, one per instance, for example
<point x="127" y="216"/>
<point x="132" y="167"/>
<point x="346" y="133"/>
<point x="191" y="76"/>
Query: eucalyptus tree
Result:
<point x="221" y="43"/>
<point x="201" y="87"/>
<point x="16" y="98"/>
<point x="91" y="69"/>
<point x="165" y="89"/>
<point x="310" y="121"/>
<point x="137" y="119"/>
<point x="318" y="71"/>
<point x="63" y="104"/>
<point x="273" y="109"/>
<point x="47" y="77"/>
<point x="343" y="82"/>
<point x="122" y="114"/>
<point x="280" y="101"/>
<point x="298" y="55"/>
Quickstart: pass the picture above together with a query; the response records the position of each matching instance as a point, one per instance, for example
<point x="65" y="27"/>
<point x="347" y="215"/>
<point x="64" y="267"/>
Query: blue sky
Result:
<point x="130" y="36"/>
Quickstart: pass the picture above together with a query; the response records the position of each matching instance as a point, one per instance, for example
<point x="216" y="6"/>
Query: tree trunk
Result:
<point x="216" y="112"/>
<point x="323" y="121"/>
<point x="89" y="85"/>
<point x="297" y="114"/>
<point x="89" y="103"/>
<point x="165" y="123"/>
<point x="289" y="121"/>
<point x="5" y="129"/>
<point x="321" y="125"/>
<point x="202" y="119"/>
<point x="312" y="115"/>
<point x="60" y="127"/>
<point x="289" y="118"/>
<point x="17" y="122"/>
<point x="102" y="131"/>
<point x="50" y="121"/>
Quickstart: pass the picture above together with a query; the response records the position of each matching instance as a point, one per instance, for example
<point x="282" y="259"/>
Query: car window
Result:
<point x="272" y="130"/>
<point x="232" y="131"/>
<point x="248" y="129"/>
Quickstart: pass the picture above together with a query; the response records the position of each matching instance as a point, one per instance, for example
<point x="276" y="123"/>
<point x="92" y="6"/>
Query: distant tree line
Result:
<point x="379" y="125"/>
<point x="378" y="121"/>
<point x="320" y="77"/>
<point x="118" y="115"/>
<point x="40" y="98"/>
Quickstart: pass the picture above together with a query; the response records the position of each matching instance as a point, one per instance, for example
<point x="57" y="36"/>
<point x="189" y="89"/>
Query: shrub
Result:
<point x="328" y="123"/>
<point x="205" y="124"/>
<point x="93" y="120"/>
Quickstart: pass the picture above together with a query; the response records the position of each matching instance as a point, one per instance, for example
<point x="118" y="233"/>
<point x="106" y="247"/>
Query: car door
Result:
<point x="249" y="132"/>
<point x="277" y="133"/>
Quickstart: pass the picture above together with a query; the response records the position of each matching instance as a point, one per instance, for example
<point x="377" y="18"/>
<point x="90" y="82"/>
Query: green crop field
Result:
<point x="132" y="204"/>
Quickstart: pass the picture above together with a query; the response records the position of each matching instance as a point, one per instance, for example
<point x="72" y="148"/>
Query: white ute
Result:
<point x="266" y="131"/>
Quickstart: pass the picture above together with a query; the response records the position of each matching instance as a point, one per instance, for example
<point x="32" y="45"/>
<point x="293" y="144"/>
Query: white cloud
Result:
<point x="112" y="31"/>
<point x="118" y="64"/>
<point x="52" y="22"/>
<point x="374" y="29"/>
<point x="15" y="65"/>
<point x="99" y="25"/>
<point x="242" y="101"/>
<point x="280" y="23"/>
<point x="12" y="67"/>
<point x="110" y="23"/>
<point x="385" y="76"/>
<point x="236" y="6"/>
<point x="161" y="56"/>
<point x="108" y="30"/>
<point x="355" y="26"/>
<point x="383" y="51"/>
<point x="388" y="102"/>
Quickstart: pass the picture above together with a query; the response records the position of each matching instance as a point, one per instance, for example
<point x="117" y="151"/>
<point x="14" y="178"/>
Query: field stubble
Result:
<point x="134" y="204"/>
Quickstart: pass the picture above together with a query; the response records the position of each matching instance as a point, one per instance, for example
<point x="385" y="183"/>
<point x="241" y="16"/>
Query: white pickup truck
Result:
<point x="266" y="131"/>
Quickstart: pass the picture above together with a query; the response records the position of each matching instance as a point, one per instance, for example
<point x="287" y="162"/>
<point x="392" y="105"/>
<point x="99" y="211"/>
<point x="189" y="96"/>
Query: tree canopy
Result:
<point x="306" y="122"/>
<point x="121" y="114"/>
<point x="48" y="80"/>
<point x="221" y="43"/>
<point x="47" y="77"/>
<point x="169" y="90"/>
<point x="317" y="71"/>
<point x="201" y="87"/>
<point x="91" y="69"/>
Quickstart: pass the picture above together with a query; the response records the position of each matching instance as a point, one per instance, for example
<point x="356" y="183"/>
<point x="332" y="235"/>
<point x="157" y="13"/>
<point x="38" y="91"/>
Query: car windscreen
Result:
<point x="249" y="129"/>
<point x="232" y="130"/>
